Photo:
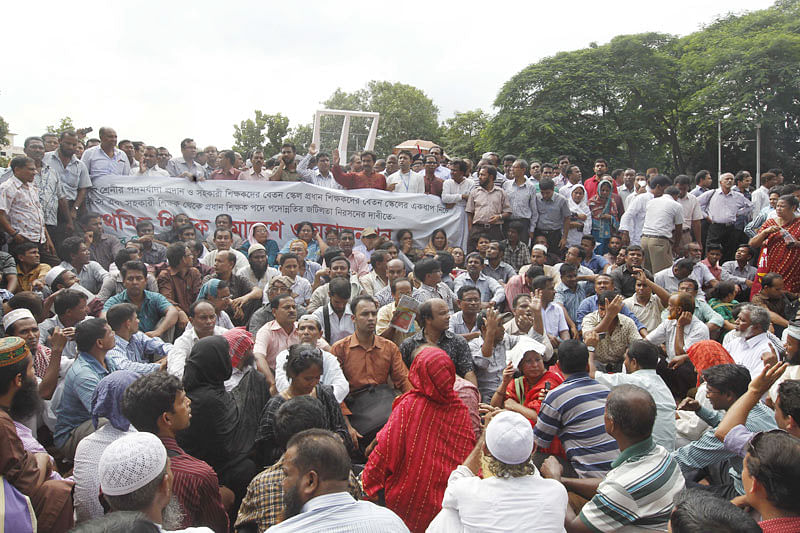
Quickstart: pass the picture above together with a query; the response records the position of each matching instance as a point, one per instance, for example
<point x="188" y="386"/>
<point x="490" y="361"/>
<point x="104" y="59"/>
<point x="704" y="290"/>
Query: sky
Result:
<point x="161" y="71"/>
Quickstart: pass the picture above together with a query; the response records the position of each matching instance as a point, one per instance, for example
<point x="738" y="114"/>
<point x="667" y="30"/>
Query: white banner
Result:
<point x="124" y="200"/>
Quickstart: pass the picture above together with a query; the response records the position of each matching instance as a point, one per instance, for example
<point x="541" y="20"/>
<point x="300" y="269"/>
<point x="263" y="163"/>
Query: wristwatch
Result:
<point x="590" y="348"/>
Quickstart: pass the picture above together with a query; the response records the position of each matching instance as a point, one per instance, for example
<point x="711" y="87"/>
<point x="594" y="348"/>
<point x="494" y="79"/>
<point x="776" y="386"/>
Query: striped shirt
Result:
<point x="708" y="450"/>
<point x="573" y="412"/>
<point x="196" y="487"/>
<point x="637" y="492"/>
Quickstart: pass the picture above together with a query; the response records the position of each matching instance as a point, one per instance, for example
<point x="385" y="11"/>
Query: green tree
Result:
<point x="405" y="113"/>
<point x="3" y="132"/>
<point x="64" y="125"/>
<point x="461" y="134"/>
<point x="266" y="132"/>
<point x="300" y="136"/>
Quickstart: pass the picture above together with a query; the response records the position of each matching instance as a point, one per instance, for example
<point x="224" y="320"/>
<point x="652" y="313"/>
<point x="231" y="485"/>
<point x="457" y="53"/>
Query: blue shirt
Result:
<point x="490" y="288"/>
<point x="589" y="305"/>
<point x="313" y="250"/>
<point x="72" y="177"/>
<point x="571" y="300"/>
<point x="573" y="412"/>
<point x="130" y="355"/>
<point x="153" y="306"/>
<point x="596" y="263"/>
<point x="76" y="401"/>
<point x="99" y="164"/>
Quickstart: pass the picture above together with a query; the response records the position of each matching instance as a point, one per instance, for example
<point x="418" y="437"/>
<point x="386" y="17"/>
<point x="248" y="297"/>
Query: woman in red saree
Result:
<point x="427" y="436"/>
<point x="780" y="239"/>
<point x="529" y="386"/>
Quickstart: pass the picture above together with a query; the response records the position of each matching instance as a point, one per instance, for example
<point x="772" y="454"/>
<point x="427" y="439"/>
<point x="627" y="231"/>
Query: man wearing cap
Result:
<point x="639" y="490"/>
<point x="21" y="323"/>
<point x="514" y="498"/>
<point x="28" y="472"/>
<point x="135" y="476"/>
<point x="257" y="272"/>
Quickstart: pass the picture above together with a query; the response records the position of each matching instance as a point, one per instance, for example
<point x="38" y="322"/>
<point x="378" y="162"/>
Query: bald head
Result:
<point x="632" y="411"/>
<point x="395" y="269"/>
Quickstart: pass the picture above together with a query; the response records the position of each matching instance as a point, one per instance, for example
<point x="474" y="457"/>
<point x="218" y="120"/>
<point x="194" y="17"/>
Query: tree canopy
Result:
<point x="266" y="132"/>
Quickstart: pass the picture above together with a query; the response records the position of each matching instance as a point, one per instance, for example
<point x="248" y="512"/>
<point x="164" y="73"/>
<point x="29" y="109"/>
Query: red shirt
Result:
<point x="591" y="186"/>
<point x="433" y="186"/>
<point x="716" y="271"/>
<point x="359" y="180"/>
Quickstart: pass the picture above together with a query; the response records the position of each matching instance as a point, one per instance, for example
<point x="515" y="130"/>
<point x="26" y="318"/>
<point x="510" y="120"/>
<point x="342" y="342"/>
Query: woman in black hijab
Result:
<point x="224" y="424"/>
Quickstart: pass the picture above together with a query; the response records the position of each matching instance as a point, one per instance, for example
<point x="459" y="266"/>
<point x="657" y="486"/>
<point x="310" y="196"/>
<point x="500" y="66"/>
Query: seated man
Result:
<point x="259" y="272"/>
<point x="223" y="242"/>
<point x="573" y="411"/>
<point x="700" y="272"/>
<point x="702" y="310"/>
<point x="202" y="323"/>
<point x="648" y="302"/>
<point x="495" y="267"/>
<point x="325" y="504"/>
<point x="429" y="273"/>
<point x="489" y="353"/>
<point x="245" y="297"/>
<point x="595" y="263"/>
<point x="336" y="317"/>
<point x="113" y="284"/>
<point x="774" y="299"/>
<point x="644" y="480"/>
<point x="223" y="222"/>
<point x="613" y="331"/>
<point x="276" y="336"/>
<point x="179" y="283"/>
<point x="394" y="269"/>
<point x="400" y="287"/>
<point x="713" y="256"/>
<point x="740" y="271"/>
<point x="553" y="315"/>
<point x="133" y="350"/>
<point x="301" y="288"/>
<point x="30" y="269"/>
<point x="70" y="308"/>
<point x="641" y="359"/>
<point x="153" y="253"/>
<point x="510" y="500"/>
<point x="669" y="278"/>
<point x="750" y="346"/>
<point x="28" y="472"/>
<point x="465" y="322"/>
<point x="517" y="254"/>
<point x="707" y="458"/>
<point x="157" y="404"/>
<point x="697" y="510"/>
<point x="574" y="256"/>
<point x="277" y="285"/>
<point x="625" y="276"/>
<point x="602" y="283"/>
<point x="570" y="292"/>
<point x="338" y="267"/>
<point x="94" y="339"/>
<point x="75" y="255"/>
<point x="434" y="317"/>
<point x="156" y="315"/>
<point x="492" y="294"/>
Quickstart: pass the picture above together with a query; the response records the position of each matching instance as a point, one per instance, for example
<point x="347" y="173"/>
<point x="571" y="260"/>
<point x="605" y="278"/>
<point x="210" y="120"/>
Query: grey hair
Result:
<point x="506" y="471"/>
<point x="759" y="316"/>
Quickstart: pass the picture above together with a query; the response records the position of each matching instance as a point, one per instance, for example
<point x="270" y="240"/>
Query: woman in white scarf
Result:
<point x="580" y="223"/>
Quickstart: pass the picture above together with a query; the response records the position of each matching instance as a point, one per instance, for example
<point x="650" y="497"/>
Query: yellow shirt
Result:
<point x="26" y="280"/>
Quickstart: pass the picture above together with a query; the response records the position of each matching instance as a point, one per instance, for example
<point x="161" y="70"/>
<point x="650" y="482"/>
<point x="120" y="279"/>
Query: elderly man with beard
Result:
<point x="315" y="489"/>
<point x="750" y="345"/>
<point x="135" y="475"/>
<point x="21" y="323"/>
<point x="29" y="473"/>
<point x="259" y="273"/>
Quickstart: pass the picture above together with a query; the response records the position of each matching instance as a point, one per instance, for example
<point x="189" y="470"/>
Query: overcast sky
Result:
<point x="161" y="71"/>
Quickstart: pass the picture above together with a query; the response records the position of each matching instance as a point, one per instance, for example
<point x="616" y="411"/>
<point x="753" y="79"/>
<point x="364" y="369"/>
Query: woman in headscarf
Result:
<point x="259" y="234"/>
<point x="106" y="409"/>
<point x="218" y="293"/>
<point x="723" y="301"/>
<point x="580" y="221"/>
<point x="316" y="246"/>
<point x="428" y="434"/>
<point x="605" y="219"/>
<point x="224" y="424"/>
<point x="303" y="368"/>
<point x="437" y="243"/>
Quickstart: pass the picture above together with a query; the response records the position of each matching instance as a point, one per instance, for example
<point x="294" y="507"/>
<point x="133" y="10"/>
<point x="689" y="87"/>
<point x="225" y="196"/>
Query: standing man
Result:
<point x="21" y="215"/>
<point x="522" y="197"/>
<point x="186" y="166"/>
<point x="149" y="166"/>
<point x="433" y="185"/>
<point x="405" y="180"/>
<point x="455" y="189"/>
<point x="692" y="214"/>
<point x="442" y="172"/>
<point x="227" y="169"/>
<point x="721" y="207"/>
<point x="760" y="196"/>
<point x="487" y="208"/>
<point x="163" y="158"/>
<point x="703" y="181"/>
<point x="71" y="171"/>
<point x="554" y="216"/>
<point x="106" y="158"/>
<point x="663" y="221"/>
<point x="571" y="180"/>
<point x="258" y="172"/>
<point x="366" y="179"/>
<point x="286" y="169"/>
<point x="600" y="170"/>
<point x="322" y="176"/>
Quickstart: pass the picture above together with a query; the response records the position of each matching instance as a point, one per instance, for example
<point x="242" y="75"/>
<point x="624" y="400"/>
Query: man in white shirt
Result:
<point x="640" y="363"/>
<point x="681" y="329"/>
<point x="749" y="345"/>
<point x="455" y="189"/>
<point x="186" y="166"/>
<point x="553" y="315"/>
<point x="301" y="288"/>
<point x="692" y="214"/>
<point x="336" y="317"/>
<point x="202" y="323"/>
<point x="405" y="180"/>
<point x="519" y="500"/>
<point x="760" y="196"/>
<point x="661" y="232"/>
<point x="322" y="175"/>
<point x="223" y="238"/>
<point x="149" y="166"/>
<point x="258" y="172"/>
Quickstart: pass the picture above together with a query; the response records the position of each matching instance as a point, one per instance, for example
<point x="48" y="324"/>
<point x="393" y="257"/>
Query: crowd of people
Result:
<point x="614" y="353"/>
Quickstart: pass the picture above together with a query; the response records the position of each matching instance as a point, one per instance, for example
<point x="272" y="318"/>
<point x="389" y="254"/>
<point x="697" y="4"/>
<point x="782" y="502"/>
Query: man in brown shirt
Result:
<point x="180" y="282"/>
<point x="487" y="207"/>
<point x="102" y="247"/>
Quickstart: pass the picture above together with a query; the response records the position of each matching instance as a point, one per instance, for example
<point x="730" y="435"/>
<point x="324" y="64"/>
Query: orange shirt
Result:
<point x="371" y="365"/>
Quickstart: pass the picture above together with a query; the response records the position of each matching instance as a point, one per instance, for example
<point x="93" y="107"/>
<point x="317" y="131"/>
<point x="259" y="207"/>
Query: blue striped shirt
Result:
<point x="573" y="412"/>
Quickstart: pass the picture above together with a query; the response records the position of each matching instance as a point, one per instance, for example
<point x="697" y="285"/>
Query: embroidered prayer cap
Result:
<point x="541" y="247"/>
<point x="131" y="462"/>
<point x="525" y="345"/>
<point x="310" y="317"/>
<point x="241" y="342"/>
<point x="12" y="350"/>
<point x="16" y="315"/>
<point x="254" y="248"/>
<point x="285" y="280"/>
<point x="52" y="274"/>
<point x="509" y="437"/>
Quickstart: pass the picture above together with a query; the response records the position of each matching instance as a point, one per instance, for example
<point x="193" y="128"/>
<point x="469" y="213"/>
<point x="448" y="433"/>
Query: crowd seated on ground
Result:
<point x="592" y="355"/>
